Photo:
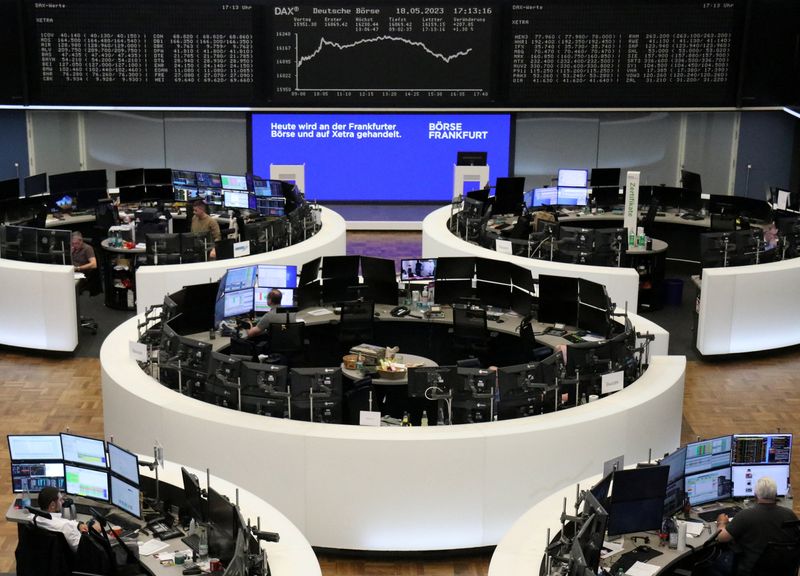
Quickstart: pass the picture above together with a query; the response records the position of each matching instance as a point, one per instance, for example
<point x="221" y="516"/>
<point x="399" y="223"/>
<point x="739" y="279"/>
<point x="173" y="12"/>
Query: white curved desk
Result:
<point x="38" y="307"/>
<point x="154" y="282"/>
<point x="622" y="284"/>
<point x="749" y="308"/>
<point x="292" y="556"/>
<point x="365" y="488"/>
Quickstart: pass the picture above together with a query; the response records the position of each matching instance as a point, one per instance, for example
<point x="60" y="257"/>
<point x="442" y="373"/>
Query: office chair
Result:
<point x="356" y="323"/>
<point x="94" y="285"/>
<point x="650" y="217"/>
<point x="778" y="559"/>
<point x="530" y="349"/>
<point x="40" y="552"/>
<point x="470" y="334"/>
<point x="723" y="222"/>
<point x="288" y="340"/>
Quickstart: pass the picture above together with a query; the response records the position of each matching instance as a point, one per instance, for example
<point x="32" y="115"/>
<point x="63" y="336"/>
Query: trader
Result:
<point x="752" y="528"/>
<point x="203" y="223"/>
<point x="83" y="258"/>
<point x="274" y="298"/>
<point x="51" y="500"/>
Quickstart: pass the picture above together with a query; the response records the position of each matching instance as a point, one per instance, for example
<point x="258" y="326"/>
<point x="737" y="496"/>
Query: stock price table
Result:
<point x="624" y="53"/>
<point x="142" y="53"/>
<point x="382" y="53"/>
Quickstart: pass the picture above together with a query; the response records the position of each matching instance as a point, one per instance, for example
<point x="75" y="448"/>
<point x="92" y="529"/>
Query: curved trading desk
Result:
<point x="155" y="282"/>
<point x="38" y="306"/>
<point x="622" y="284"/>
<point x="749" y="308"/>
<point x="393" y="488"/>
<point x="292" y="556"/>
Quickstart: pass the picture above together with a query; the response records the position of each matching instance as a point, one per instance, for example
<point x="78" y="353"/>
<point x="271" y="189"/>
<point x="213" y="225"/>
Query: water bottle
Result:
<point x="424" y="420"/>
<point x="202" y="547"/>
<point x="405" y="421"/>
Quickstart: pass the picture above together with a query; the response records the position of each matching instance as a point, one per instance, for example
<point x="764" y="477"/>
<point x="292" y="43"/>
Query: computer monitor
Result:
<point x="340" y="267"/>
<point x="192" y="496"/>
<point x="87" y="482"/>
<point x="757" y="455"/>
<point x="607" y="197"/>
<point x="84" y="451"/>
<point x="691" y="181"/>
<point x="209" y="180"/>
<point x="33" y="476"/>
<point x="261" y="303"/>
<point x="126" y="496"/>
<point x="571" y="178"/>
<point x="157" y="176"/>
<point x="128" y="178"/>
<point x="637" y="500"/>
<point x="590" y="536"/>
<point x="717" y="248"/>
<point x="132" y="194"/>
<point x="9" y="189"/>
<point x="163" y="244"/>
<point x="377" y="270"/>
<point x="182" y="193"/>
<point x="705" y="455"/>
<point x="424" y="380"/>
<point x="78" y="180"/>
<point x="601" y="489"/>
<point x="708" y="486"/>
<point x="677" y="464"/>
<point x="263" y="188"/>
<point x="417" y="269"/>
<point x="558" y="299"/>
<point x="184" y="178"/>
<point x="277" y="276"/>
<point x="572" y="196"/>
<point x="236" y="199"/>
<point x="325" y="384"/>
<point x="35" y="447"/>
<point x="605" y="178"/>
<point x="89" y="198"/>
<point x="240" y="278"/>
<point x="230" y="182"/>
<point x="508" y="195"/>
<point x="195" y="355"/>
<point x="471" y="158"/>
<point x="35" y="185"/>
<point x="455" y="268"/>
<point x="266" y="378"/>
<point x="542" y="197"/>
<point x="223" y="521"/>
<point x="123" y="463"/>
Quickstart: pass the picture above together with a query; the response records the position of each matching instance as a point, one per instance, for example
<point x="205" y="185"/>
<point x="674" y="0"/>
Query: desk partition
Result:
<point x="622" y="284"/>
<point x="38" y="306"/>
<point x="155" y="282"/>
<point x="392" y="488"/>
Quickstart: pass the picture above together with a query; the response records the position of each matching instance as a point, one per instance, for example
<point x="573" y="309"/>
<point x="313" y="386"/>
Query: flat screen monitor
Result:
<point x="572" y="196"/>
<point x="260" y="302"/>
<point x="267" y="188"/>
<point x="471" y="158"/>
<point x="128" y="178"/>
<point x="455" y="268"/>
<point x="33" y="476"/>
<point x="36" y="185"/>
<point x="209" y="180"/>
<point x="184" y="178"/>
<point x="508" y="195"/>
<point x="691" y="200"/>
<point x="605" y="177"/>
<point x="677" y="464"/>
<point x="600" y="490"/>
<point x="238" y="303"/>
<point x="9" y="189"/>
<point x="377" y="270"/>
<point x="240" y="278"/>
<point x="542" y="197"/>
<point x="340" y="267"/>
<point x="418" y="269"/>
<point x="570" y="178"/>
<point x="268" y="378"/>
<point x="691" y="181"/>
<point x="757" y="455"/>
<point x="35" y="447"/>
<point x="236" y="199"/>
<point x="607" y="197"/>
<point x="425" y="380"/>
<point x="157" y="176"/>
<point x="558" y="299"/>
<point x="192" y="496"/>
<point x="309" y="272"/>
<point x="708" y="486"/>
<point x="230" y="182"/>
<point x="277" y="276"/>
<point x="87" y="482"/>
<point x="637" y="500"/>
<point x="84" y="451"/>
<point x="326" y="385"/>
<point x="223" y="517"/>
<point x="123" y="463"/>
<point x="88" y="199"/>
<point x="182" y="193"/>
<point x="745" y="478"/>
<point x="126" y="496"/>
<point x="707" y="455"/>
<point x="132" y="194"/>
<point x="79" y="180"/>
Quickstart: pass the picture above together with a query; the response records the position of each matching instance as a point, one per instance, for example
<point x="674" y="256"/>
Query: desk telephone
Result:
<point x="400" y="311"/>
<point x="162" y="531"/>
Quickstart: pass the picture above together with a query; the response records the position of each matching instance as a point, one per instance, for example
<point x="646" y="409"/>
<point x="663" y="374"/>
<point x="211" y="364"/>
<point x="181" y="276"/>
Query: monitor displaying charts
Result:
<point x="125" y="496"/>
<point x="123" y="463"/>
<point x="238" y="303"/>
<point x="84" y="451"/>
<point x="87" y="482"/>
<point x="541" y="197"/>
<point x="260" y="298"/>
<point x="37" y="447"/>
<point x="573" y="178"/>
<point x="234" y="182"/>
<point x="708" y="455"/>
<point x="757" y="455"/>
<point x="708" y="486"/>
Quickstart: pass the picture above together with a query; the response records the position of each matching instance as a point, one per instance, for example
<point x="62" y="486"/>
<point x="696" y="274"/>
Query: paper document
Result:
<point x="610" y="549"/>
<point x="318" y="312"/>
<point x="642" y="569"/>
<point x="151" y="547"/>
<point x="693" y="529"/>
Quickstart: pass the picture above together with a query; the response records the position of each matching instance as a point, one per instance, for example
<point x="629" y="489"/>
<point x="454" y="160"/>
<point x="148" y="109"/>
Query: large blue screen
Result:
<point x="379" y="157"/>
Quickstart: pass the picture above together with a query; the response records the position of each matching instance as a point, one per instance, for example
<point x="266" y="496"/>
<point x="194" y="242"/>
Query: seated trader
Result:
<point x="50" y="500"/>
<point x="274" y="298"/>
<point x="754" y="527"/>
<point x="83" y="258"/>
<point x="203" y="223"/>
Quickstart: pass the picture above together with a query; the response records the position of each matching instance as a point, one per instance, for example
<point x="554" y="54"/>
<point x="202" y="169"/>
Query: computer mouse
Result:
<point x="499" y="320"/>
<point x="377" y="314"/>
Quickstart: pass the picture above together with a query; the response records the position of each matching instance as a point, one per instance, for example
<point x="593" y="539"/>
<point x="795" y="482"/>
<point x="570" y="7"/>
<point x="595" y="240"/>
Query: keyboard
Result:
<point x="124" y="523"/>
<point x="192" y="541"/>
<point x="711" y="515"/>
<point x="85" y="509"/>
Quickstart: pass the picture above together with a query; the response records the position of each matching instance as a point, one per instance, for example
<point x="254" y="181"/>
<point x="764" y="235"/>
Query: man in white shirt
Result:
<point x="51" y="500"/>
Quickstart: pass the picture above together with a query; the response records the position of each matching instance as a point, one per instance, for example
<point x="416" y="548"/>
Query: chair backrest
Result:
<point x="778" y="559"/>
<point x="357" y="313"/>
<point x="42" y="553"/>
<point x="723" y="222"/>
<point x="286" y="336"/>
<point x="469" y="323"/>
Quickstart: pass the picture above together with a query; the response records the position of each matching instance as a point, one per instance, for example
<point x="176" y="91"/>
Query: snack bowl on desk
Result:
<point x="349" y="361"/>
<point x="396" y="374"/>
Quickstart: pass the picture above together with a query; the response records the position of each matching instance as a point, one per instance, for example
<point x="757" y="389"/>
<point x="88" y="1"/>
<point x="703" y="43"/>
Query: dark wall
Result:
<point x="13" y="144"/>
<point x="766" y="143"/>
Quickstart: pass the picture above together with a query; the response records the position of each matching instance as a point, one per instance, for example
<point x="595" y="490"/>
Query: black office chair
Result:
<point x="530" y="349"/>
<point x="778" y="559"/>
<point x="40" y="552"/>
<point x="650" y="217"/>
<point x="356" y="323"/>
<point x="723" y="222"/>
<point x="288" y="340"/>
<point x="470" y="335"/>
